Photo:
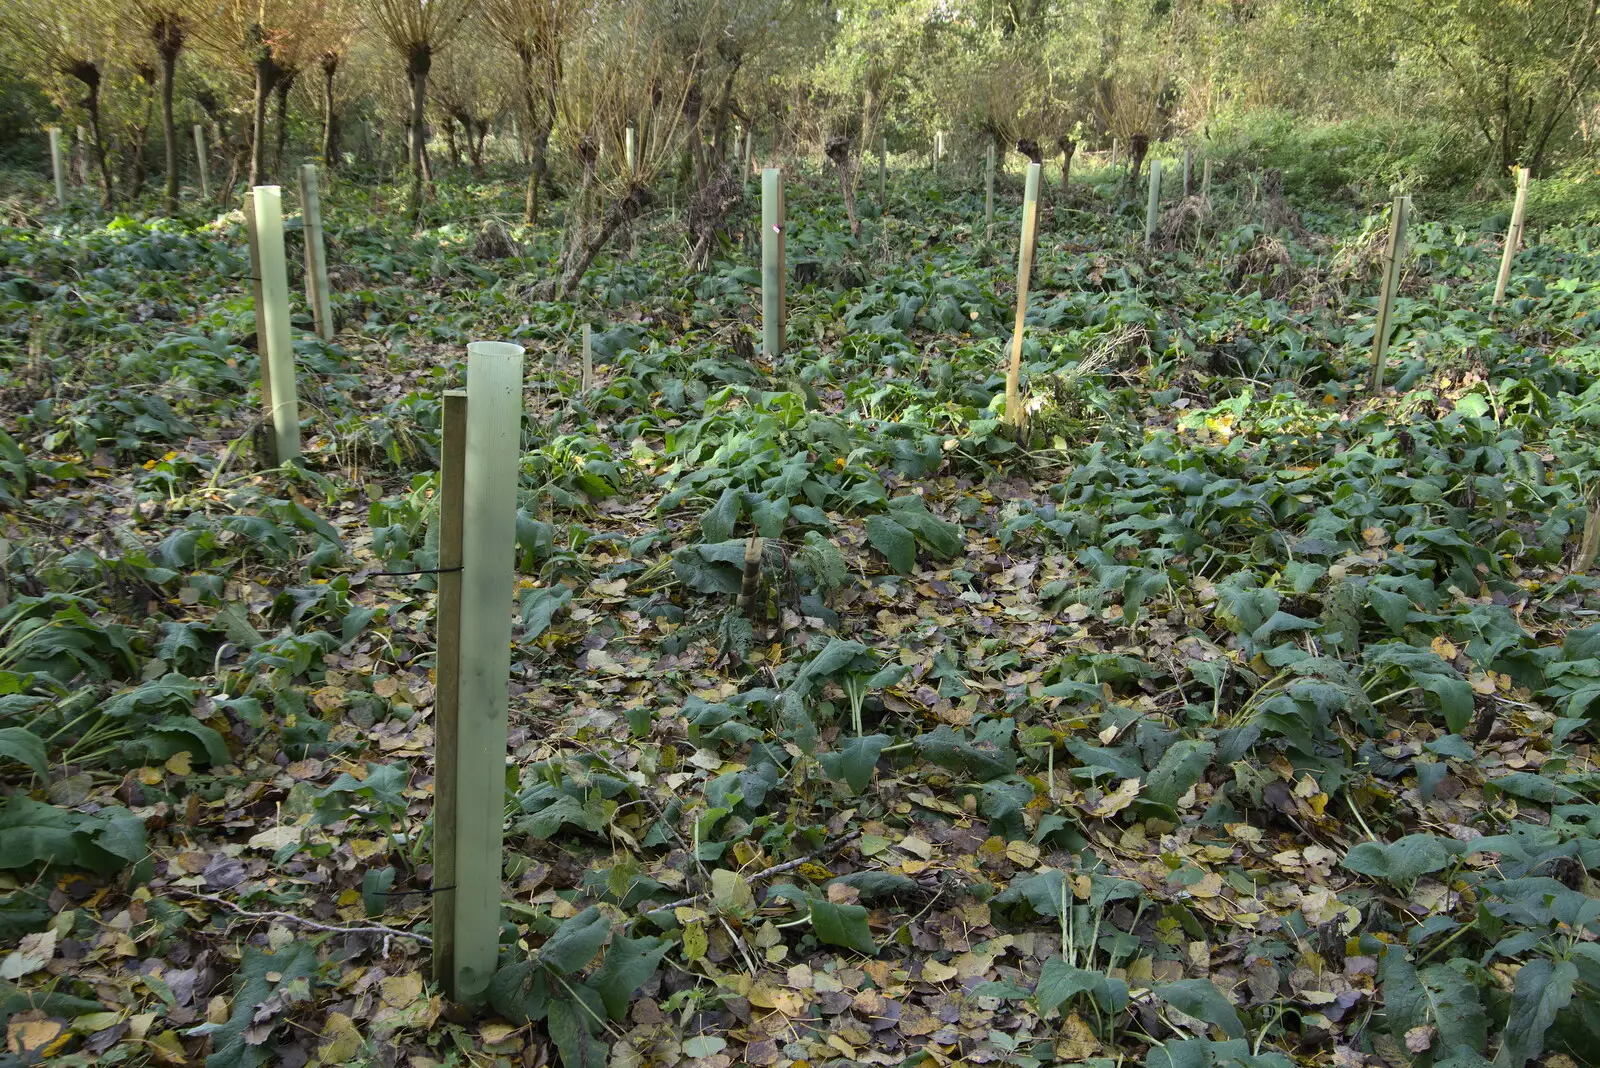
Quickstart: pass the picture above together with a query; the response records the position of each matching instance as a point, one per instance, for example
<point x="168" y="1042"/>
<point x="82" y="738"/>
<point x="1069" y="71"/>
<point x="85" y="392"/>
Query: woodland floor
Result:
<point x="1242" y="717"/>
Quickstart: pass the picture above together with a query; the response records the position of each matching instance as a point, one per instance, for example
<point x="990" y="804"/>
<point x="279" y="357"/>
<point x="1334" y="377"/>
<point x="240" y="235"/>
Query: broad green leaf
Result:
<point x="717" y="522"/>
<point x="576" y="941"/>
<point x="276" y="978"/>
<point x="25" y="747"/>
<point x="1543" y="989"/>
<point x="1059" y="982"/>
<point x="842" y="925"/>
<point x="629" y="963"/>
<point x="539" y="606"/>
<point x="894" y="541"/>
<point x="521" y="992"/>
<point x="1201" y="999"/>
<point x="375" y="885"/>
<point x="855" y="761"/>
<point x="982" y="760"/>
<point x="569" y="1030"/>
<point x="1404" y="861"/>
<point x="1179" y="768"/>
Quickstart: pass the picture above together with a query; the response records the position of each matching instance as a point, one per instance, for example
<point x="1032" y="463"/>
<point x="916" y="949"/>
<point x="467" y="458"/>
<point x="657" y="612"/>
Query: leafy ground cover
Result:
<point x="1237" y="717"/>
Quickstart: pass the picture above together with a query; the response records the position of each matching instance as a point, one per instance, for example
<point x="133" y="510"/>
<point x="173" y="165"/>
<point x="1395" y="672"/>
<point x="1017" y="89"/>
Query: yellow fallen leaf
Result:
<point x="275" y="838"/>
<point x="695" y="942"/>
<point x="1077" y="1041"/>
<point x="935" y="972"/>
<point x="1116" y="800"/>
<point x="398" y="991"/>
<point x="1444" y="647"/>
<point x="36" y="1039"/>
<point x="764" y="995"/>
<point x="494" y="1033"/>
<point x="341" y="1042"/>
<point x="1022" y="854"/>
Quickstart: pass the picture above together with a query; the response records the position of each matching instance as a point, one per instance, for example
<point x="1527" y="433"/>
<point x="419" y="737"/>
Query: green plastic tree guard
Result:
<point x="488" y="582"/>
<point x="1152" y="210"/>
<point x="316" y="252"/>
<point x="1015" y="416"/>
<point x="58" y="165"/>
<point x="988" y="195"/>
<point x="772" y="263"/>
<point x="278" y="341"/>
<point x="200" y="161"/>
<point x="1513" y="235"/>
<point x="1393" y="254"/>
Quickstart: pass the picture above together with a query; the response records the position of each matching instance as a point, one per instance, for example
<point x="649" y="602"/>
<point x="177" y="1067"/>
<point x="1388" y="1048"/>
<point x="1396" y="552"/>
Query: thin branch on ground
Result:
<point x="239" y="910"/>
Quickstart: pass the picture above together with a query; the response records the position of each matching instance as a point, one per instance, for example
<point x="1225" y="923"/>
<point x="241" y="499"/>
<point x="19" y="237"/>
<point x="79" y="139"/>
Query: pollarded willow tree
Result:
<point x="535" y="32"/>
<point x="872" y="42"/>
<point x="71" y="44"/>
<point x="265" y="43"/>
<point x="470" y="88"/>
<point x="619" y="72"/>
<point x="414" y="30"/>
<point x="166" y="25"/>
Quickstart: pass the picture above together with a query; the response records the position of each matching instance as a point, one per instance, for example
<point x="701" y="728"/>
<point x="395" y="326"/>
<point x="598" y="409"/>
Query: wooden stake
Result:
<point x="279" y="336"/>
<point x="200" y="161"/>
<point x="316" y="252"/>
<point x="1152" y="210"/>
<point x="447" y="684"/>
<point x="1113" y="152"/>
<point x="1030" y="212"/>
<point x="1513" y="235"/>
<point x="1205" y="180"/>
<point x="988" y="194"/>
<point x="630" y="151"/>
<point x="488" y="579"/>
<point x="1393" y="253"/>
<point x="1188" y="172"/>
<point x="58" y="166"/>
<point x="772" y="263"/>
<point x="586" y="372"/>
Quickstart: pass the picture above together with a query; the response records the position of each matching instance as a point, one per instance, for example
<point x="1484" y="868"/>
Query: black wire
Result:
<point x="422" y="571"/>
<point x="430" y="890"/>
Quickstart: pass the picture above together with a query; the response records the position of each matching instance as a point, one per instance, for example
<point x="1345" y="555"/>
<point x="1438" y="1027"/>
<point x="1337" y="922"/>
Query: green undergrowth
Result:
<point x="1228" y="715"/>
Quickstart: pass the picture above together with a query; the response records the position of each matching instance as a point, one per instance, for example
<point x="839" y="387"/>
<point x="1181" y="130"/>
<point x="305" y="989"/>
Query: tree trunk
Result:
<point x="475" y="143"/>
<point x="580" y="257"/>
<point x="578" y="202"/>
<point x="330" y="118"/>
<point x="838" y="150"/>
<point x="691" y="119"/>
<point x="138" y="161"/>
<point x="417" y="67"/>
<point x="285" y="83"/>
<point x="450" y="141"/>
<point x="1136" y="153"/>
<point x="266" y="80"/>
<point x="89" y="74"/>
<point x="168" y="35"/>
<point x="1068" y="148"/>
<point x="719" y="126"/>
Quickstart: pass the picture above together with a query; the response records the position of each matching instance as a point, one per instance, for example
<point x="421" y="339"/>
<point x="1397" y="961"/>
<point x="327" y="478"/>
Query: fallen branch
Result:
<point x="375" y="928"/>
<point x="764" y="873"/>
